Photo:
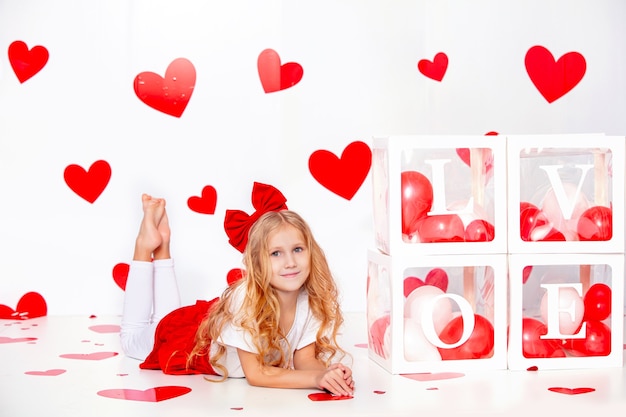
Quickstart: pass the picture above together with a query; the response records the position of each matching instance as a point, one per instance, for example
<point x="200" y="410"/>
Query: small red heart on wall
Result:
<point x="434" y="69"/>
<point x="88" y="184"/>
<point x="345" y="175"/>
<point x="235" y="275"/>
<point x="27" y="62"/>
<point x="152" y="395"/>
<point x="553" y="78"/>
<point x="274" y="76"/>
<point x="206" y="203"/>
<point x="30" y="306"/>
<point x="169" y="94"/>
<point x="120" y="274"/>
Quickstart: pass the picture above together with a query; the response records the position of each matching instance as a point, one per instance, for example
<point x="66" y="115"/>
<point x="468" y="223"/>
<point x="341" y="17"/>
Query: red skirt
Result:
<point x="174" y="340"/>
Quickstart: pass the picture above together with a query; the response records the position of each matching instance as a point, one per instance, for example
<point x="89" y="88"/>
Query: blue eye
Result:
<point x="298" y="249"/>
<point x="275" y="253"/>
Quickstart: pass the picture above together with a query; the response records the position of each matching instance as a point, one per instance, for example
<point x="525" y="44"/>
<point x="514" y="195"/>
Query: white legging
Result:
<point x="151" y="293"/>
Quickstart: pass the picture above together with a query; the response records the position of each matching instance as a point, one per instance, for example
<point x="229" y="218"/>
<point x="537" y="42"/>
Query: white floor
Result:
<point x="38" y="380"/>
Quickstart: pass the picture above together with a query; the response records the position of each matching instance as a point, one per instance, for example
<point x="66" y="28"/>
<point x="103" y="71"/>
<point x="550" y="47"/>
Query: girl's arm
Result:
<point x="309" y="373"/>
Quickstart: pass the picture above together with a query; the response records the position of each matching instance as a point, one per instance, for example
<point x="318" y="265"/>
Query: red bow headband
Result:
<point x="237" y="223"/>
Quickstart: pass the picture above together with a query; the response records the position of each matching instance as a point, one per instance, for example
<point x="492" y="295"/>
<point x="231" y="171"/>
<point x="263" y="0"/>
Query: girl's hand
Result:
<point x="337" y="379"/>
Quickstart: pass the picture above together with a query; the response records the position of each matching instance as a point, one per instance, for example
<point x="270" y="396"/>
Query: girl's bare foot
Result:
<point x="149" y="237"/>
<point x="163" y="251"/>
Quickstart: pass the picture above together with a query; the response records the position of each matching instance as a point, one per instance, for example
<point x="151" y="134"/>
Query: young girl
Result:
<point x="277" y="326"/>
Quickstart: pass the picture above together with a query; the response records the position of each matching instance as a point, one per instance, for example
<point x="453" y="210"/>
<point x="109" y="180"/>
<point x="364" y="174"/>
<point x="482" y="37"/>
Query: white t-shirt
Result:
<point x="302" y="333"/>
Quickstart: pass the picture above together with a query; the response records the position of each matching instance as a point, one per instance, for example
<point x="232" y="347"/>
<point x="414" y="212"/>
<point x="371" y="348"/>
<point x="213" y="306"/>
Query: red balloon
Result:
<point x="441" y="228"/>
<point x="526" y="273"/>
<point x="597" y="302"/>
<point x="417" y="199"/>
<point x="479" y="231"/>
<point x="411" y="283"/>
<point x="377" y="334"/>
<point x="596" y="223"/>
<point x="596" y="343"/>
<point x="478" y="346"/>
<point x="535" y="347"/>
<point x="553" y="236"/>
<point x="530" y="217"/>
<point x="437" y="277"/>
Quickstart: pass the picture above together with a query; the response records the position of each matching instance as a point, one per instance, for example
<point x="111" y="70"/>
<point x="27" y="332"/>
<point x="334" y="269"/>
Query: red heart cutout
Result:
<point x="206" y="203"/>
<point x="25" y="62"/>
<point x="433" y="377"/>
<point x="235" y="275"/>
<point x="274" y="76"/>
<point x="88" y="184"/>
<point x="169" y="94"/>
<point x="438" y="278"/>
<point x="326" y="396"/>
<point x="553" y="78"/>
<point x="571" y="391"/>
<point x="95" y="356"/>
<point x="120" y="274"/>
<point x="434" y="69"/>
<point x="411" y="283"/>
<point x="30" y="306"/>
<point x="4" y="339"/>
<point x="49" y="372"/>
<point x="152" y="395"/>
<point x="343" y="176"/>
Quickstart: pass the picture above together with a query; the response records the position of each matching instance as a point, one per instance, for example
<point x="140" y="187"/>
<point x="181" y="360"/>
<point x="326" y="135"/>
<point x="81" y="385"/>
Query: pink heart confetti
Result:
<point x="105" y="328"/>
<point x="155" y="394"/>
<point x="49" y="372"/>
<point x="433" y="377"/>
<point x="4" y="339"/>
<point x="95" y="356"/>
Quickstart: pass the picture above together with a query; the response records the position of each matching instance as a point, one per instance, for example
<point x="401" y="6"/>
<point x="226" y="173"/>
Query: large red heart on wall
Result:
<point x="88" y="184"/>
<point x="169" y="94"/>
<point x="27" y="62"/>
<point x="273" y="75"/>
<point x="434" y="69"/>
<point x="345" y="175"/>
<point x="553" y="78"/>
<point x="30" y="306"/>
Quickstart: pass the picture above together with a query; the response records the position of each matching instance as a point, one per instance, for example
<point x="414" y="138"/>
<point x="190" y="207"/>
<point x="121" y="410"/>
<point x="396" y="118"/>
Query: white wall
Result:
<point x="360" y="80"/>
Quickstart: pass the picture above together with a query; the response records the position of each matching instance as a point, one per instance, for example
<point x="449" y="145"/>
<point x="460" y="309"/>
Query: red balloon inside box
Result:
<point x="478" y="346"/>
<point x="417" y="199"/>
<point x="532" y="344"/>
<point x="597" y="341"/>
<point x="596" y="224"/>
<point x="597" y="302"/>
<point x="441" y="228"/>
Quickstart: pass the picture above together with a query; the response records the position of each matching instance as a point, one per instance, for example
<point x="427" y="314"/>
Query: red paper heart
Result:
<point x="326" y="396"/>
<point x="411" y="283"/>
<point x="553" y="78"/>
<point x="433" y="377"/>
<point x="88" y="184"/>
<point x="120" y="274"/>
<point x="343" y="176"/>
<point x="206" y="203"/>
<point x="274" y="76"/>
<point x="169" y="94"/>
<point x="95" y="356"/>
<point x="105" y="328"/>
<point x="49" y="372"/>
<point x="4" y="339"/>
<point x="571" y="391"/>
<point x="25" y="62"/>
<point x="152" y="395"/>
<point x="30" y="306"/>
<point x="437" y="277"/>
<point x="434" y="69"/>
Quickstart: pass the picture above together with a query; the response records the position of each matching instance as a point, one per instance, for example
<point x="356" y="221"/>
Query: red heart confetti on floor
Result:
<point x="169" y="94"/>
<point x="4" y="339"/>
<point x="326" y="396"/>
<point x="95" y="356"/>
<point x="153" y="395"/>
<point x="571" y="391"/>
<point x="88" y="184"/>
<point x="49" y="372"/>
<point x="433" y="377"/>
<point x="342" y="175"/>
<point x="27" y="62"/>
<point x="105" y="328"/>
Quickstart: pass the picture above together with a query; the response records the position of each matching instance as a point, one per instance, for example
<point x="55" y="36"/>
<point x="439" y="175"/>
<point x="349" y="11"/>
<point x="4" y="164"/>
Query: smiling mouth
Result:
<point x="290" y="275"/>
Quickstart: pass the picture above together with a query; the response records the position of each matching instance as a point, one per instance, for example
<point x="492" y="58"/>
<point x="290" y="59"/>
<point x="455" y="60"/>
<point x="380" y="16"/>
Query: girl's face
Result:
<point x="290" y="259"/>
